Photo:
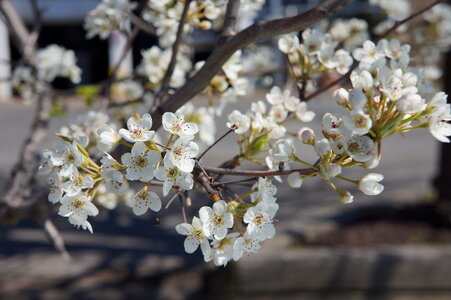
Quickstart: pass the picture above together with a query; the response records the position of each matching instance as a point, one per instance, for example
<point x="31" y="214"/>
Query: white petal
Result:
<point x="190" y="244"/>
<point x="220" y="207"/>
<point x="184" y="229"/>
<point x="205" y="213"/>
<point x="167" y="185"/>
<point x="155" y="202"/>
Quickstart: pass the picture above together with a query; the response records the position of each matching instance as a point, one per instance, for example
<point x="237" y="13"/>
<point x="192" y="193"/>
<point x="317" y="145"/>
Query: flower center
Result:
<point x="141" y="161"/>
<point x="177" y="126"/>
<point x="142" y="196"/>
<point x="360" y="121"/>
<point x="77" y="203"/>
<point x="78" y="181"/>
<point x="137" y="133"/>
<point x="70" y="158"/>
<point x="354" y="147"/>
<point x="172" y="173"/>
<point x="259" y="220"/>
<point x="218" y="220"/>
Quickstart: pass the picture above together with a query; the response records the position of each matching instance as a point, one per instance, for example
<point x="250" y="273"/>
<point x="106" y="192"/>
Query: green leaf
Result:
<point x="89" y="93"/>
<point x="258" y="145"/>
<point x="57" y="110"/>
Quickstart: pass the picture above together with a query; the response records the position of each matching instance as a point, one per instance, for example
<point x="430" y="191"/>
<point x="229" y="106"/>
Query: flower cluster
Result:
<point x="316" y="54"/>
<point x="262" y="124"/>
<point x="229" y="84"/>
<point x="155" y="62"/>
<point x="109" y="15"/>
<point x="165" y="16"/>
<point x="349" y="32"/>
<point x="387" y="98"/>
<point x="52" y="62"/>
<point x="219" y="229"/>
<point x="75" y="177"/>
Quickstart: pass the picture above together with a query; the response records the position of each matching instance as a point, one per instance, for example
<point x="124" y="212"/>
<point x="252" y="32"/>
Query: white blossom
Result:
<point x="182" y="154"/>
<point x="108" y="137"/>
<point x="216" y="220"/>
<point x="171" y="175"/>
<point x="370" y="185"/>
<point x="140" y="162"/>
<point x="260" y="220"/>
<point x="245" y="245"/>
<point x="138" y="129"/>
<point x="115" y="182"/>
<point x="241" y="121"/>
<point x="195" y="236"/>
<point x="176" y="124"/>
<point x="55" y="191"/>
<point x="144" y="200"/>
<point x="77" y="208"/>
<point x="68" y="157"/>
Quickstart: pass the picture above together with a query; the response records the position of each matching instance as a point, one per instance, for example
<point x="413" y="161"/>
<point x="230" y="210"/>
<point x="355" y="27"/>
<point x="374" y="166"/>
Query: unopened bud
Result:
<point x="307" y="136"/>
<point x="341" y="96"/>
<point x="345" y="196"/>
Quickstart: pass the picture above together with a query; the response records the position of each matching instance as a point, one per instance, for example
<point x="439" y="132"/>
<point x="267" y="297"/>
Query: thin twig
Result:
<point x="55" y="238"/>
<point x="175" y="50"/>
<point x="254" y="173"/>
<point x="128" y="46"/>
<point x="142" y="25"/>
<point x="183" y="209"/>
<point x="228" y="29"/>
<point x="234" y="181"/>
<point x="171" y="200"/>
<point x="400" y="23"/>
<point x="201" y="168"/>
<point x="233" y="128"/>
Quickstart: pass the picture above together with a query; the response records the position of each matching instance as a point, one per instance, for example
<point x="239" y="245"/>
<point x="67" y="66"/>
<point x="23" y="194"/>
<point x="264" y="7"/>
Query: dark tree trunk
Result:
<point x="442" y="182"/>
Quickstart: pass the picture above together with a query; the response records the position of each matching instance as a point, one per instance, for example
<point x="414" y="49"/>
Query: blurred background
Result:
<point x="393" y="246"/>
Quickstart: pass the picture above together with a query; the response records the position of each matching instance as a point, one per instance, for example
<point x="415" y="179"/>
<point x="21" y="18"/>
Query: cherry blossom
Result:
<point x="138" y="129"/>
<point x="140" y="162"/>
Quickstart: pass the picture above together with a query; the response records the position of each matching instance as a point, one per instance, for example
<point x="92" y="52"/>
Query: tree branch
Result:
<point x="17" y="28"/>
<point x="224" y="171"/>
<point x="175" y="50"/>
<point x="228" y="29"/>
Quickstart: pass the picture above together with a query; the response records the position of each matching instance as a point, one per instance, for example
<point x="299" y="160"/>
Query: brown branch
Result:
<point x="253" y="33"/>
<point x="400" y="23"/>
<point x="17" y="28"/>
<point x="217" y="141"/>
<point x="224" y="183"/>
<point x="128" y="46"/>
<point x="228" y="29"/>
<point x="224" y="171"/>
<point x="175" y="50"/>
<point x="142" y="25"/>
<point x="55" y="238"/>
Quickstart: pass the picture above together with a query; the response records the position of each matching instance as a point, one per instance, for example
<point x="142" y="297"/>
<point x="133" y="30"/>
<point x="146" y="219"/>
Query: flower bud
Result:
<point x="363" y="80"/>
<point x="295" y="180"/>
<point x="370" y="185"/>
<point x="322" y="147"/>
<point x="345" y="196"/>
<point x="357" y="99"/>
<point x="307" y="136"/>
<point x="341" y="96"/>
<point x="333" y="170"/>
